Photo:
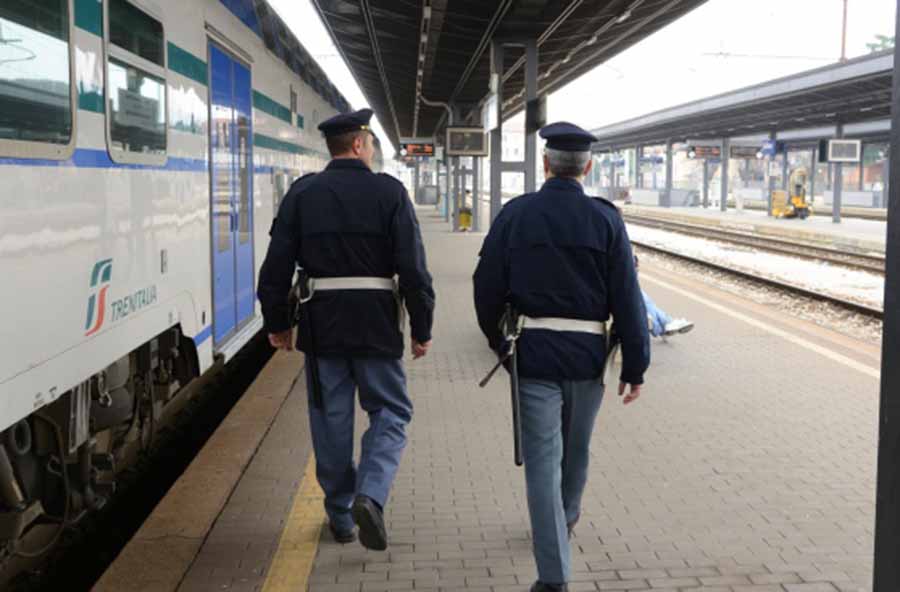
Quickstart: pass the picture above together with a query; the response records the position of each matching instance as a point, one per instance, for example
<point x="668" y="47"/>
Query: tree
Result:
<point x="881" y="43"/>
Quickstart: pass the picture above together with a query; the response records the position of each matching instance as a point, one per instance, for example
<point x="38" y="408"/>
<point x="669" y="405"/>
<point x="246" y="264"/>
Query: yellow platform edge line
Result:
<point x="293" y="561"/>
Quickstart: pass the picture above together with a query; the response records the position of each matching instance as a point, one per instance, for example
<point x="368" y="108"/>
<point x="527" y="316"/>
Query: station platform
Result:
<point x="748" y="465"/>
<point x="853" y="234"/>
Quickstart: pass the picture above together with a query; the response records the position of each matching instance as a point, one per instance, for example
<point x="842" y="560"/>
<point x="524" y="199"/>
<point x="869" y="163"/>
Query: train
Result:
<point x="144" y="148"/>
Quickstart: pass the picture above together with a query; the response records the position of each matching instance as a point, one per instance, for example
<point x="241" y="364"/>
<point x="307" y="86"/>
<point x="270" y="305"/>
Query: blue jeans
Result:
<point x="657" y="315"/>
<point x="382" y="394"/>
<point x="557" y="422"/>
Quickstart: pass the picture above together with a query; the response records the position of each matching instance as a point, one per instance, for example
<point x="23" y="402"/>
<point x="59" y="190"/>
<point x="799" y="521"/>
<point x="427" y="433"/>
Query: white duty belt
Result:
<point x="560" y="324"/>
<point x="358" y="283"/>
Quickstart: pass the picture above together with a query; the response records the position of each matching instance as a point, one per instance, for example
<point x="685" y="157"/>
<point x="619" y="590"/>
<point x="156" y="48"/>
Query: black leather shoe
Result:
<point x="542" y="587"/>
<point x="370" y="520"/>
<point x="342" y="536"/>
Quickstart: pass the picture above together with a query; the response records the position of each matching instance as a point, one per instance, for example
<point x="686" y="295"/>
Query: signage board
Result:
<point x="844" y="150"/>
<point x="707" y="151"/>
<point x="769" y="148"/>
<point x="748" y="152"/>
<point x="466" y="141"/>
<point x="417" y="146"/>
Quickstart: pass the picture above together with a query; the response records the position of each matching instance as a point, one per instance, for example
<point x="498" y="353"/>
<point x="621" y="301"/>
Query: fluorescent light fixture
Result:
<point x="623" y="17"/>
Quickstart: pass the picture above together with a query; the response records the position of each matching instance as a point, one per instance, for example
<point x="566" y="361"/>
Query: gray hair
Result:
<point x="567" y="164"/>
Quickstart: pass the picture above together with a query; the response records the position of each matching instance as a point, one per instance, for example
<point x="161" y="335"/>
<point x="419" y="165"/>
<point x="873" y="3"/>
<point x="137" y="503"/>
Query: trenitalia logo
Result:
<point x="96" y="310"/>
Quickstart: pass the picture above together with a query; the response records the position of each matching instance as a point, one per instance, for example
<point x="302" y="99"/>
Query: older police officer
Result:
<point x="351" y="231"/>
<point x="563" y="261"/>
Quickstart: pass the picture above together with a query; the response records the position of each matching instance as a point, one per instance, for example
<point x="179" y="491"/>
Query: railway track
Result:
<point x="860" y="261"/>
<point x="856" y="307"/>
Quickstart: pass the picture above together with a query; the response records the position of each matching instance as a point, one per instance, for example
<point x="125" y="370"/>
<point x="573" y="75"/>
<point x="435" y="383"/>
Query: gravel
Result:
<point x="825" y="314"/>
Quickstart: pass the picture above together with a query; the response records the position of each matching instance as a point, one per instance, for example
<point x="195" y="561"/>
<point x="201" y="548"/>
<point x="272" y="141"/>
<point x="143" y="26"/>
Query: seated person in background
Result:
<point x="660" y="323"/>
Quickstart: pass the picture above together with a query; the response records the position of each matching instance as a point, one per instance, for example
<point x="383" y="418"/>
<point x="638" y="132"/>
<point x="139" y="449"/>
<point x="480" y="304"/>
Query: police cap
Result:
<point x="563" y="135"/>
<point x="344" y="123"/>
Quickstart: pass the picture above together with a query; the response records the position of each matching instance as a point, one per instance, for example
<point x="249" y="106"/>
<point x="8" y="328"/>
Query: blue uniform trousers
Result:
<point x="557" y="423"/>
<point x="382" y="394"/>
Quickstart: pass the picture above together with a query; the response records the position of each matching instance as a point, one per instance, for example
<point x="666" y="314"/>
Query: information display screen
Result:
<point x="418" y="149"/>
<point x="466" y="141"/>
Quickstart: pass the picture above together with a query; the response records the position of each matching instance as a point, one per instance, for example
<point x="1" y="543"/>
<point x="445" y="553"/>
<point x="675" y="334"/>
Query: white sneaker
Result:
<point x="678" y="326"/>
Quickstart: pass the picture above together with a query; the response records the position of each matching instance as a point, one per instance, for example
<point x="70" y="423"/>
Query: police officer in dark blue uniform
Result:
<point x="563" y="261"/>
<point x="351" y="231"/>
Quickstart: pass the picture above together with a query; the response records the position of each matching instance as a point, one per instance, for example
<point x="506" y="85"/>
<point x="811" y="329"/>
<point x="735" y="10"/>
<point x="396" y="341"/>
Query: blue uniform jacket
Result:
<point x="348" y="221"/>
<point x="560" y="253"/>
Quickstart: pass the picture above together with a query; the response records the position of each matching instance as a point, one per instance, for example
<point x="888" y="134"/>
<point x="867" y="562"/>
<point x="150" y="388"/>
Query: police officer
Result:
<point x="563" y="261"/>
<point x="351" y="231"/>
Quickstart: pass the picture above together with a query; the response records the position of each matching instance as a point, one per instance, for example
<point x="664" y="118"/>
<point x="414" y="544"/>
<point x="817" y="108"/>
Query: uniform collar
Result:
<point x="563" y="184"/>
<point x="347" y="163"/>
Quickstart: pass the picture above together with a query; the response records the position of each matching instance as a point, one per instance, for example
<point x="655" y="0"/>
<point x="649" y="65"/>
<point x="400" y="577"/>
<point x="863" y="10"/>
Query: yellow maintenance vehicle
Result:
<point x="793" y="203"/>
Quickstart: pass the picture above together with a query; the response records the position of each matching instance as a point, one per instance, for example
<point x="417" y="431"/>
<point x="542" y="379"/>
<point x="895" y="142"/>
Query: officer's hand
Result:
<point x="420" y="349"/>
<point x="633" y="393"/>
<point x="283" y="340"/>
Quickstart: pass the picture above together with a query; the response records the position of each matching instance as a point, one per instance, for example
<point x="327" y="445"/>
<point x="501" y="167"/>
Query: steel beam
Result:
<point x="838" y="189"/>
<point x="476" y="194"/>
<point x="612" y="175"/>
<point x="666" y="197"/>
<point x="531" y="70"/>
<point x="726" y="150"/>
<point x="887" y="498"/>
<point x="705" y="183"/>
<point x="497" y="133"/>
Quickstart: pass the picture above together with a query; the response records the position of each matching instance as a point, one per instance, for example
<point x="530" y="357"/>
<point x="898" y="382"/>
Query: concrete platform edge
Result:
<point x="162" y="551"/>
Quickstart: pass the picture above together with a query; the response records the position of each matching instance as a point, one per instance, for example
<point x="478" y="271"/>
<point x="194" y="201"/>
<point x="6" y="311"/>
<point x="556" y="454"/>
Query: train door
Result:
<point x="231" y="192"/>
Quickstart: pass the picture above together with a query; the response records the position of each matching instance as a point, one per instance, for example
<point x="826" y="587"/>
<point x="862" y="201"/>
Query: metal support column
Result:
<point x="726" y="152"/>
<point x="666" y="198"/>
<point x="476" y="194"/>
<point x="416" y="183"/>
<point x="838" y="188"/>
<point x="455" y="194"/>
<point x="705" y="183"/>
<point x="770" y="180"/>
<point x="784" y="170"/>
<point x="612" y="175"/>
<point x="638" y="175"/>
<point x="887" y="498"/>
<point x="531" y="69"/>
<point x="812" y="176"/>
<point x="497" y="133"/>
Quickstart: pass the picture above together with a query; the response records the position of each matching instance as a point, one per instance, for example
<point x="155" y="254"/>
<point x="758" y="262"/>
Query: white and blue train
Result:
<point x="144" y="145"/>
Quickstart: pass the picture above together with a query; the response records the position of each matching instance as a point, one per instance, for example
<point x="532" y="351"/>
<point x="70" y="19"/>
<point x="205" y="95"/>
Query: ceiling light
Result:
<point x="426" y="12"/>
<point x="623" y="17"/>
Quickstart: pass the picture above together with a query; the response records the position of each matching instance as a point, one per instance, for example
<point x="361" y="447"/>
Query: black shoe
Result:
<point x="542" y="587"/>
<point x="370" y="520"/>
<point x="342" y="536"/>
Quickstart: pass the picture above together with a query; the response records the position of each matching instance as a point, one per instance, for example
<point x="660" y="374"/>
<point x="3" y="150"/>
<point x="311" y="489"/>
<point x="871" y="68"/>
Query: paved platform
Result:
<point x="855" y="234"/>
<point x="747" y="466"/>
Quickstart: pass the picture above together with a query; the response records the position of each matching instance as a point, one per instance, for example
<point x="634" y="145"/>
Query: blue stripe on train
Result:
<point x="203" y="335"/>
<point x="99" y="159"/>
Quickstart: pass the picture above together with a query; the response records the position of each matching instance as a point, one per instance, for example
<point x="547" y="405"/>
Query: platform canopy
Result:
<point x="399" y="49"/>
<point x="851" y="92"/>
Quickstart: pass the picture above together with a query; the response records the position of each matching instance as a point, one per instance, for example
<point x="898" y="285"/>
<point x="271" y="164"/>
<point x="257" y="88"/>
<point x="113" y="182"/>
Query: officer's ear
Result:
<point x="588" y="167"/>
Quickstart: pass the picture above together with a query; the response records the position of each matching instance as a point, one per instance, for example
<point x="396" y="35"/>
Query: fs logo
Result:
<point x="96" y="309"/>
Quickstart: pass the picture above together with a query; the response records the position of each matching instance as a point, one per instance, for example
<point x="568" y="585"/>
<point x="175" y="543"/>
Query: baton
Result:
<point x="516" y="407"/>
<point x="311" y="361"/>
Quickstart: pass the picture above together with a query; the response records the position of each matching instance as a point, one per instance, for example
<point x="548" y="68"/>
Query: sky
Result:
<point x="721" y="46"/>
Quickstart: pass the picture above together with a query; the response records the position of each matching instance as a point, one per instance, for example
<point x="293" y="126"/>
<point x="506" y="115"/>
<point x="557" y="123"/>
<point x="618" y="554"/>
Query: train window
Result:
<point x="136" y="32"/>
<point x="137" y="102"/>
<point x="36" y="91"/>
<point x="136" y="114"/>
